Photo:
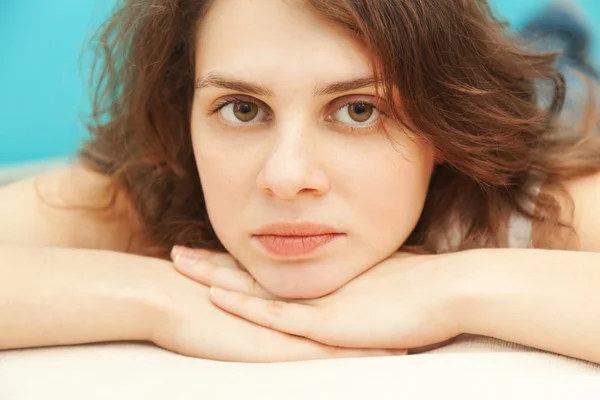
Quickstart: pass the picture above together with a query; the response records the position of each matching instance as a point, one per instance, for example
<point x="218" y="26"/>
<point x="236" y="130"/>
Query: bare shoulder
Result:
<point x="70" y="206"/>
<point x="585" y="193"/>
<point x="582" y="211"/>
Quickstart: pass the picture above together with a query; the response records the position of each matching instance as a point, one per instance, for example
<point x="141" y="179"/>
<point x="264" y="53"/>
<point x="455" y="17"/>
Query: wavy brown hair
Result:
<point x="461" y="80"/>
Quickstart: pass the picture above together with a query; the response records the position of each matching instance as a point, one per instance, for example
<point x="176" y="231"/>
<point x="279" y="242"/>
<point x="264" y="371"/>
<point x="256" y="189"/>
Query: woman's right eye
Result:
<point x="242" y="112"/>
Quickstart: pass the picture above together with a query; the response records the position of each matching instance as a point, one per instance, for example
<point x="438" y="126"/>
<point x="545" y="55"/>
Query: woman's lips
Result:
<point x="293" y="246"/>
<point x="294" y="240"/>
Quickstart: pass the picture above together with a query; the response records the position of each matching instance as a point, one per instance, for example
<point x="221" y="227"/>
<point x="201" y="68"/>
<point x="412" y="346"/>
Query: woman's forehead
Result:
<point x="262" y="39"/>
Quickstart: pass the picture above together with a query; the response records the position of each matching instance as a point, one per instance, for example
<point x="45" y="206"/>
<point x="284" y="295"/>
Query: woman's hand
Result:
<point x="403" y="302"/>
<point x="191" y="325"/>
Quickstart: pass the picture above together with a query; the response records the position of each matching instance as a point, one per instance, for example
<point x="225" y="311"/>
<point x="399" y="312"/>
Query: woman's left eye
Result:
<point x="357" y="114"/>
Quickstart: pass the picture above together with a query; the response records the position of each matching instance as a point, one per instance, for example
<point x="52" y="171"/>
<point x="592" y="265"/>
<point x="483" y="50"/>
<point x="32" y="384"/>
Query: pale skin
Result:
<point x="302" y="157"/>
<point x="68" y="265"/>
<point x="70" y="282"/>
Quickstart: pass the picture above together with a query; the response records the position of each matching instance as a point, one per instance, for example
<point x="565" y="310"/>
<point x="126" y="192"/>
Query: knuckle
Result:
<point x="275" y="308"/>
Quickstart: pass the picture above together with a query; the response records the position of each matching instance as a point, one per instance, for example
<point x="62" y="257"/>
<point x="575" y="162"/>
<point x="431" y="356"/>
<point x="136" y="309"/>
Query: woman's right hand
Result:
<point x="189" y="324"/>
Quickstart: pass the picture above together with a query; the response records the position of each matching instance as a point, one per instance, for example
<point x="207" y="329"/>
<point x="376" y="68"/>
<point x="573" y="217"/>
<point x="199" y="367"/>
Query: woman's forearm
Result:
<point x="58" y="296"/>
<point x="545" y="299"/>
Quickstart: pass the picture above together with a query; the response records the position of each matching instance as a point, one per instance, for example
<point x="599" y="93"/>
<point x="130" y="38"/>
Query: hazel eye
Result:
<point x="358" y="114"/>
<point x="241" y="112"/>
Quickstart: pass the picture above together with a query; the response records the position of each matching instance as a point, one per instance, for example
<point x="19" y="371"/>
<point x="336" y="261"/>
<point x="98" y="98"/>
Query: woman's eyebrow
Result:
<point x="345" y="86"/>
<point x="220" y="81"/>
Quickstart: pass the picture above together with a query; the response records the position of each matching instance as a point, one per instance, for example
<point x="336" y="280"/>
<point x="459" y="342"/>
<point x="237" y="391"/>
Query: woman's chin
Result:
<point x="290" y="288"/>
<point x="309" y="279"/>
<point x="300" y="293"/>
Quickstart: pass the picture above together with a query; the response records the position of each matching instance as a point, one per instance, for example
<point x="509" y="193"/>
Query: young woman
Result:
<point x="357" y="178"/>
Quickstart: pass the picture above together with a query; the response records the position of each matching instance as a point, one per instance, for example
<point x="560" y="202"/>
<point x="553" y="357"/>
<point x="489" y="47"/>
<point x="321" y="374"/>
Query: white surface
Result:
<point x="473" y="368"/>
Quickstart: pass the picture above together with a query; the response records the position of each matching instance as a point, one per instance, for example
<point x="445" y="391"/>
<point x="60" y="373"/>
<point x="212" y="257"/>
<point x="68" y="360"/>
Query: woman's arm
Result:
<point x="61" y="279"/>
<point x="545" y="299"/>
<point x="65" y="279"/>
<point x="548" y="299"/>
<point x="58" y="296"/>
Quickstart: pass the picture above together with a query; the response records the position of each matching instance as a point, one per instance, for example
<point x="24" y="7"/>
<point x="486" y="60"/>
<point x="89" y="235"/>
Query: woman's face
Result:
<point x="302" y="185"/>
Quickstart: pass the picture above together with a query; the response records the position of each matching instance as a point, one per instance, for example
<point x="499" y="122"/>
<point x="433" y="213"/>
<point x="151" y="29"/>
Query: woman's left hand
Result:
<point x="406" y="301"/>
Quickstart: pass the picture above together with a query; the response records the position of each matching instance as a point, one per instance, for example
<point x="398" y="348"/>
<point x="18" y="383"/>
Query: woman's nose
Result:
<point x="293" y="168"/>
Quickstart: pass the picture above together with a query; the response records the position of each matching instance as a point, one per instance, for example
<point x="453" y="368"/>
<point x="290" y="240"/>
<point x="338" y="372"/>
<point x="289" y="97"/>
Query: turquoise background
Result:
<point x="43" y="88"/>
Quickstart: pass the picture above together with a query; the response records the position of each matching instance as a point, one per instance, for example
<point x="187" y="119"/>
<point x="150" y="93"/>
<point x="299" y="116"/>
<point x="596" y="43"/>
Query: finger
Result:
<point x="293" y="318"/>
<point x="211" y="274"/>
<point x="223" y="259"/>
<point x="182" y="251"/>
<point x="216" y="269"/>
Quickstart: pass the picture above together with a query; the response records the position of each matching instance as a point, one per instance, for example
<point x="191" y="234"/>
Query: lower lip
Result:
<point x="294" y="246"/>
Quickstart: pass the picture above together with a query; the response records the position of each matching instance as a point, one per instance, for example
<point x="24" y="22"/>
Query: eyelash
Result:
<point x="235" y="99"/>
<point x="228" y="100"/>
<point x="365" y="128"/>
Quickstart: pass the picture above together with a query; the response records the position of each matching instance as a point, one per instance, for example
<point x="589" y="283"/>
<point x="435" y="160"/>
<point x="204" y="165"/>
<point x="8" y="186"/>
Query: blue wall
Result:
<point x="42" y="87"/>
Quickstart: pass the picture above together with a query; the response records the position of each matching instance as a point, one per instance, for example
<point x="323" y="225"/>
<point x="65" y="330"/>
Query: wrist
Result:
<point x="140" y="297"/>
<point x="64" y="296"/>
<point x="465" y="288"/>
<point x="165" y="297"/>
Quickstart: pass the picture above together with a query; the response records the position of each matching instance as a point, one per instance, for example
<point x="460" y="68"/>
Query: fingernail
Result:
<point x="184" y="260"/>
<point x="217" y="292"/>
<point x="186" y="251"/>
<point x="400" y="352"/>
<point x="177" y="250"/>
